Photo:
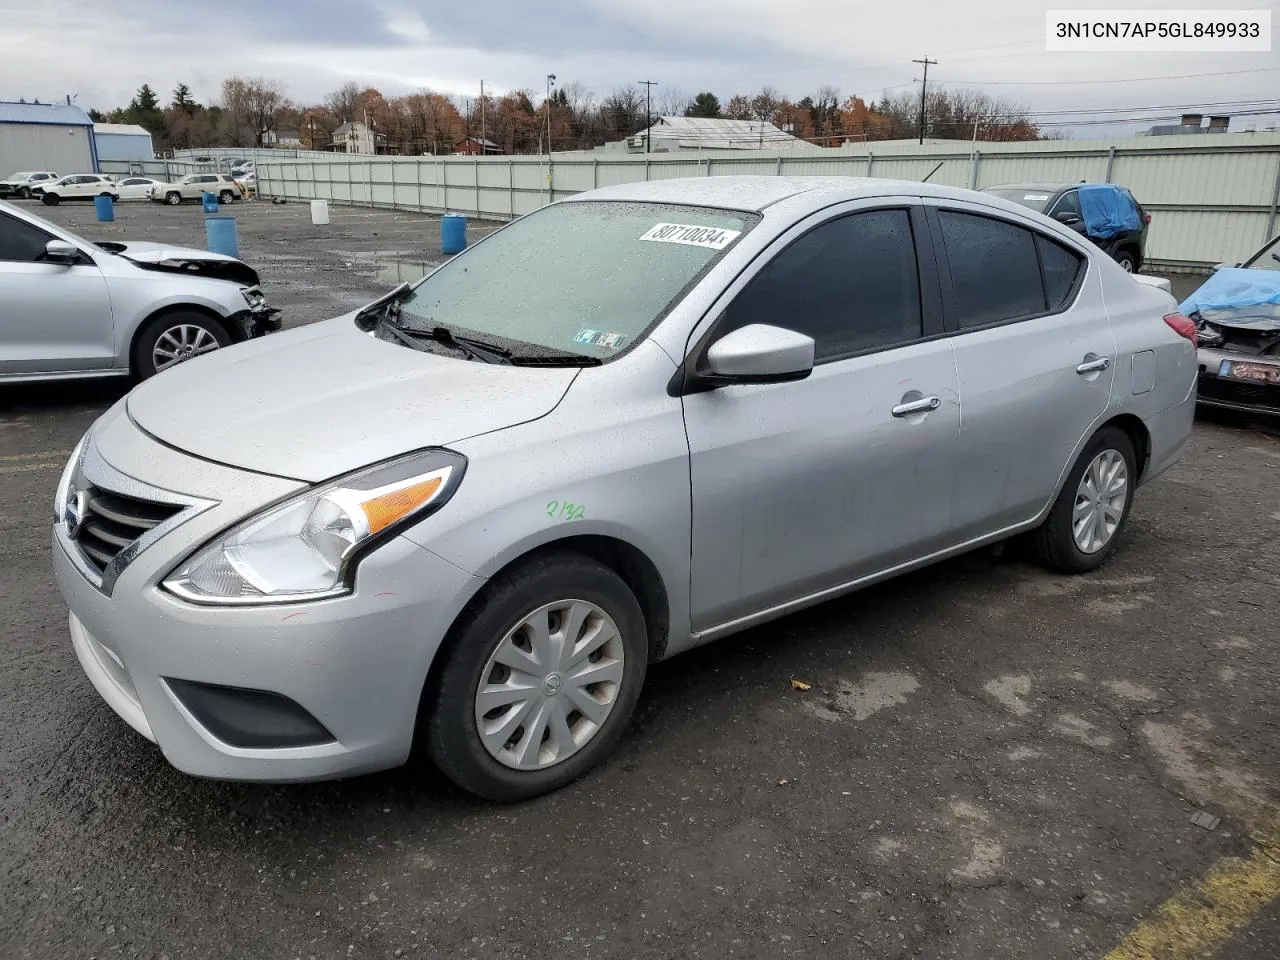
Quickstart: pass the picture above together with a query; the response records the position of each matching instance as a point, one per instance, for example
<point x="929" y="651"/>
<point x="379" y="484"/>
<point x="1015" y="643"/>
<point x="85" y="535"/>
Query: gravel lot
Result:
<point x="993" y="762"/>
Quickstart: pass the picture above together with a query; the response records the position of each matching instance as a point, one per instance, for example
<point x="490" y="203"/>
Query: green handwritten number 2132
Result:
<point x="565" y="511"/>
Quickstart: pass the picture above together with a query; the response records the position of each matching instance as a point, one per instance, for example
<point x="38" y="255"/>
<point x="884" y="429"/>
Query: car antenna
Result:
<point x="933" y="171"/>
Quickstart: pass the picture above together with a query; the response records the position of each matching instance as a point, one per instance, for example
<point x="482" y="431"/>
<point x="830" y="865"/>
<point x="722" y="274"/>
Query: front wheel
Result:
<point x="175" y="338"/>
<point x="1090" y="513"/>
<point x="225" y="197"/>
<point x="540" y="679"/>
<point x="50" y="199"/>
<point x="24" y="193"/>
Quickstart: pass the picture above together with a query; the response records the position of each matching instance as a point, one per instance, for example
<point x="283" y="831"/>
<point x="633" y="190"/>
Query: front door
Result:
<point x="53" y="317"/>
<point x="1035" y="357"/>
<point x="802" y="487"/>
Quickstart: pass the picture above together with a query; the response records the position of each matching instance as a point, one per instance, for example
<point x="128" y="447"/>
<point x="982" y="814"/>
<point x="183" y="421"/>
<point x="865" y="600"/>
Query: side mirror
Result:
<point x="1069" y="219"/>
<point x="760" y="353"/>
<point x="59" y="251"/>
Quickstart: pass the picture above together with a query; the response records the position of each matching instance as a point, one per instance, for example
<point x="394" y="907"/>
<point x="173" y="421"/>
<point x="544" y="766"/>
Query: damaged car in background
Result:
<point x="73" y="309"/>
<point x="1237" y="317"/>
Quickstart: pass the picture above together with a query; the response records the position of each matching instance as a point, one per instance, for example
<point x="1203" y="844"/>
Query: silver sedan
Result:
<point x="467" y="517"/>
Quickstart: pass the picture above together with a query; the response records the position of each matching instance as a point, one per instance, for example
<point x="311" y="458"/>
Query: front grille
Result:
<point x="1239" y="391"/>
<point x="112" y="521"/>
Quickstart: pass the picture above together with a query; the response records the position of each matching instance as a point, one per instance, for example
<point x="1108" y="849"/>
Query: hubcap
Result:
<point x="182" y="343"/>
<point x="550" y="684"/>
<point x="1126" y="266"/>
<point x="1100" y="501"/>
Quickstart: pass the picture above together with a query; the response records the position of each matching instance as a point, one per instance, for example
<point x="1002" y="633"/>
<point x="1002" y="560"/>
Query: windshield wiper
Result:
<point x="475" y="349"/>
<point x="556" y="359"/>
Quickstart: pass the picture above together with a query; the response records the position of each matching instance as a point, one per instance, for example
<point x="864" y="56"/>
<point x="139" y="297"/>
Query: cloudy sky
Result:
<point x="102" y="52"/>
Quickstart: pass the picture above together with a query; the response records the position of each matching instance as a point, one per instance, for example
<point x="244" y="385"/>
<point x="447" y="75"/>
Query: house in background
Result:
<point x="282" y="138"/>
<point x="356" y="137"/>
<point x="46" y="136"/>
<point x="123" y="141"/>
<point x="685" y="134"/>
<point x="476" y="147"/>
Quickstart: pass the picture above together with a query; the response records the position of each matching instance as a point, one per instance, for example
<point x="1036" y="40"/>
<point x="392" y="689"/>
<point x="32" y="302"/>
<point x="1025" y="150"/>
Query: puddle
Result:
<point x="389" y="267"/>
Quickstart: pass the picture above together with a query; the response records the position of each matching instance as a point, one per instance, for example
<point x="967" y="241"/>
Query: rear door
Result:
<point x="1035" y="355"/>
<point x="53" y="317"/>
<point x="803" y="487"/>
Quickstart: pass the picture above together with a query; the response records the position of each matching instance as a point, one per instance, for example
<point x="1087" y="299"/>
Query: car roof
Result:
<point x="1042" y="187"/>
<point x="757" y="193"/>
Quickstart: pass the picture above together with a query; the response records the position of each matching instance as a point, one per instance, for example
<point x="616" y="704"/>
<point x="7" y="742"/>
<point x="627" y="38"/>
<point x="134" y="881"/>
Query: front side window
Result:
<point x="1069" y="202"/>
<point x="589" y="278"/>
<point x="20" y="242"/>
<point x="995" y="273"/>
<point x="1268" y="258"/>
<point x="851" y="284"/>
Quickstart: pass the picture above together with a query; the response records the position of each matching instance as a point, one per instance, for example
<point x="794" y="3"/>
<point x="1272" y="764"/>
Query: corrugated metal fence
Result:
<point x="1212" y="197"/>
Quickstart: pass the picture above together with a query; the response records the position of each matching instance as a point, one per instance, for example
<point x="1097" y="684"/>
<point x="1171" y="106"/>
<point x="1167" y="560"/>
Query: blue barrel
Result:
<point x="221" y="233"/>
<point x="210" y="201"/>
<point x="453" y="233"/>
<point x="105" y="209"/>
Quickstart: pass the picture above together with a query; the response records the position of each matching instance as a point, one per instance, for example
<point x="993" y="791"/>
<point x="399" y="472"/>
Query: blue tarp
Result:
<point x="1239" y="297"/>
<point x="1107" y="210"/>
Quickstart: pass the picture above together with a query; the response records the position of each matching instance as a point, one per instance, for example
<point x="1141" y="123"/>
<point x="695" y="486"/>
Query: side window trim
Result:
<point x="6" y="219"/>
<point x="950" y="319"/>
<point x="1061" y="200"/>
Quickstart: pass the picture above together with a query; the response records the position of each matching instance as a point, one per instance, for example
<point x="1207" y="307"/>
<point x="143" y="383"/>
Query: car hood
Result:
<point x="320" y="401"/>
<point x="166" y="258"/>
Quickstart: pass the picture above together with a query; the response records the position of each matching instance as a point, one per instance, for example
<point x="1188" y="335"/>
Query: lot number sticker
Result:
<point x="713" y="238"/>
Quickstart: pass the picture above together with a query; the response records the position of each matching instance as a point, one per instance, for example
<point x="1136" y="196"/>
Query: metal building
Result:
<point x="46" y="136"/>
<point x="123" y="141"/>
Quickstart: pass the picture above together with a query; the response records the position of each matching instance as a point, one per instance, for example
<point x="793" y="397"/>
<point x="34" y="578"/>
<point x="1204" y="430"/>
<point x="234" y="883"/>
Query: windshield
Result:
<point x="587" y="278"/>
<point x="1037" y="200"/>
<point x="1268" y="258"/>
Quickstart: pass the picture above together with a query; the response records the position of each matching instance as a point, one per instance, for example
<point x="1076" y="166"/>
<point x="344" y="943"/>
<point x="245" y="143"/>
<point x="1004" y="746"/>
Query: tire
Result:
<point x="173" y="198"/>
<point x="1055" y="543"/>
<point x="24" y="193"/>
<point x="449" y="728"/>
<point x="168" y="333"/>
<point x="226" y="196"/>
<point x="50" y="199"/>
<point x="1128" y="261"/>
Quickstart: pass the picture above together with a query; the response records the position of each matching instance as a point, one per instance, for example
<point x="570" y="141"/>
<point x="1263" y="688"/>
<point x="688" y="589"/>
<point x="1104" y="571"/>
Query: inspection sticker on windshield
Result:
<point x="714" y="238"/>
<point x="1035" y="196"/>
<point x="600" y="338"/>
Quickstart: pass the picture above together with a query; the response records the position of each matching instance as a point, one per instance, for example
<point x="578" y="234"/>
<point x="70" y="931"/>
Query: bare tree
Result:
<point x="671" y="102"/>
<point x="344" y="103"/>
<point x="765" y="104"/>
<point x="266" y="100"/>
<point x="235" y="127"/>
<point x="622" y="112"/>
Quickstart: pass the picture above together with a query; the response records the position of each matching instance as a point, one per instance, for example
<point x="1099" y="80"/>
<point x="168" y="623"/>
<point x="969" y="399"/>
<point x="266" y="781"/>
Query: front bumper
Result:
<point x="356" y="664"/>
<point x="256" y="322"/>
<point x="1240" y="396"/>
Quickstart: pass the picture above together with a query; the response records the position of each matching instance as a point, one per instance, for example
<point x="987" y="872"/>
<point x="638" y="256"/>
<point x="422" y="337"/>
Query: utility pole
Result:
<point x="924" y="85"/>
<point x="482" y="137"/>
<point x="551" y="82"/>
<point x="648" y="111"/>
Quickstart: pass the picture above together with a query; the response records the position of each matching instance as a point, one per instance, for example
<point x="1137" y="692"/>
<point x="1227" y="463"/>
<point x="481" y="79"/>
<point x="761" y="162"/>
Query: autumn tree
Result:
<point x="738" y="108"/>
<point x="344" y="103"/>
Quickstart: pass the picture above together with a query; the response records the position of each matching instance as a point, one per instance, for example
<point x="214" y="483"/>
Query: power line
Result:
<point x="1063" y="83"/>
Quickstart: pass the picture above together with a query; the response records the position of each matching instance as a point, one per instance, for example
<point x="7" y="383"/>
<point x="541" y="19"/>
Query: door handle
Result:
<point x="923" y="405"/>
<point x="1093" y="364"/>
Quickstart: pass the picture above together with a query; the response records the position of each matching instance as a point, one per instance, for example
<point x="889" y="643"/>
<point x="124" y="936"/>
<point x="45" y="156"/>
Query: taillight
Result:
<point x="1146" y="218"/>
<point x="1183" y="327"/>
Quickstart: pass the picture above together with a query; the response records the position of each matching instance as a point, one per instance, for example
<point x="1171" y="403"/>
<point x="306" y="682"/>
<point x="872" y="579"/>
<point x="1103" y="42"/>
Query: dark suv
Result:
<point x="1061" y="201"/>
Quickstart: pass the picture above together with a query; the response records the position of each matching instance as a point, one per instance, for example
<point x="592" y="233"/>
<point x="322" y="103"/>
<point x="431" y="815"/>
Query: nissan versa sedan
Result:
<point x="456" y="525"/>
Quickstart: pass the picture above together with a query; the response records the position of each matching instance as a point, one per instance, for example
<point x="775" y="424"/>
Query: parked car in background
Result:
<point x="240" y="170"/>
<point x="71" y="309"/>
<point x="1110" y="215"/>
<point x="248" y="183"/>
<point x="19" y="184"/>
<point x="79" y="186"/>
<point x="136" y="188"/>
<point x="194" y="186"/>
<point x="1237" y="315"/>
<point x="442" y="521"/>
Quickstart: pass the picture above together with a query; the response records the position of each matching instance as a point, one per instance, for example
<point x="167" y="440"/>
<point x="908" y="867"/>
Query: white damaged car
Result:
<point x="72" y="309"/>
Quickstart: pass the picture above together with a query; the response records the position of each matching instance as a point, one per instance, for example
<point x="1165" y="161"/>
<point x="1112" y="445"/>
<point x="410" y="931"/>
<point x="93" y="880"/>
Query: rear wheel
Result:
<point x="540" y="680"/>
<point x="1090" y="513"/>
<point x="174" y="338"/>
<point x="173" y="198"/>
<point x="1128" y="261"/>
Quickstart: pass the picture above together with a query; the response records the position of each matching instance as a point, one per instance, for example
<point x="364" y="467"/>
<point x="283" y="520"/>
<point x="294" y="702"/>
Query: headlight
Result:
<point x="63" y="492"/>
<point x="306" y="548"/>
<point x="254" y="297"/>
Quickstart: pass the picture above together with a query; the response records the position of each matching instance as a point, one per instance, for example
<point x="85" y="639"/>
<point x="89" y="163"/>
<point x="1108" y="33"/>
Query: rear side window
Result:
<point x="995" y="273"/>
<point x="1069" y="202"/>
<point x="20" y="242"/>
<point x="852" y="284"/>
<point x="1061" y="268"/>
